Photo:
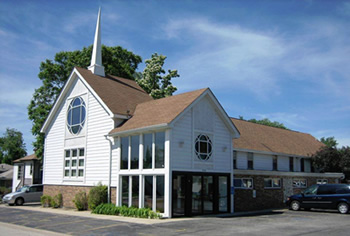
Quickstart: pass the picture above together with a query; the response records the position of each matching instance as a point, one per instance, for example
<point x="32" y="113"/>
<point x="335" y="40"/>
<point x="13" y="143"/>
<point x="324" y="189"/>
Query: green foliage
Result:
<point x="153" y="80"/>
<point x="12" y="146"/>
<point x="81" y="201"/>
<point x="111" y="209"/>
<point x="4" y="191"/>
<point x="329" y="142"/>
<point x="45" y="200"/>
<point x="331" y="159"/>
<point x="54" y="73"/>
<point x="266" y="122"/>
<point x="97" y="196"/>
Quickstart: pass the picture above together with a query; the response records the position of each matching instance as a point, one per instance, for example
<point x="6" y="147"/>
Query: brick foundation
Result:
<point x="68" y="193"/>
<point x="268" y="198"/>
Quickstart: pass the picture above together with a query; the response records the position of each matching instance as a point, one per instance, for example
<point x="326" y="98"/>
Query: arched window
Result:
<point x="203" y="147"/>
<point x="76" y="115"/>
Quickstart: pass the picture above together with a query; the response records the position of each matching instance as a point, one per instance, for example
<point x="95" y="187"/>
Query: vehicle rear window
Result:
<point x="343" y="190"/>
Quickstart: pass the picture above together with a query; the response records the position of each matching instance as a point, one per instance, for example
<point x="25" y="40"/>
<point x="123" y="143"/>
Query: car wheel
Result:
<point x="343" y="208"/>
<point x="19" y="201"/>
<point x="295" y="205"/>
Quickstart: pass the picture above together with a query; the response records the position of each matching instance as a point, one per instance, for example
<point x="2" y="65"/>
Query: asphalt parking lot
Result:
<point x="278" y="222"/>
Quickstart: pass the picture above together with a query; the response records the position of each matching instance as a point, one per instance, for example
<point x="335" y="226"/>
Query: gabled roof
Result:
<point x="8" y="175"/>
<point x="162" y="112"/>
<point x="5" y="167"/>
<point x="32" y="157"/>
<point x="274" y="140"/>
<point x="117" y="95"/>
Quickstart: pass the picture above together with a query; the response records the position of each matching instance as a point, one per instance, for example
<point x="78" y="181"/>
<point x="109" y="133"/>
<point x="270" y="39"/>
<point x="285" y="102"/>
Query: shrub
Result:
<point x="45" y="200"/>
<point x="58" y="200"/>
<point x="81" y="201"/>
<point x="97" y="196"/>
<point x="4" y="191"/>
<point x="111" y="209"/>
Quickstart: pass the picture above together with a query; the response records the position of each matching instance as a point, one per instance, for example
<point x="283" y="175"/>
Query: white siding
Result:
<point x="262" y="162"/>
<point x="97" y="147"/>
<point x="27" y="170"/>
<point x="242" y="162"/>
<point x="283" y="163"/>
<point x="181" y="147"/>
<point x="15" y="181"/>
<point x="201" y="119"/>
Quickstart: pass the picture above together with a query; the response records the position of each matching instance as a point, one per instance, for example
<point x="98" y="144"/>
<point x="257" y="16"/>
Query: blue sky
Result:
<point x="283" y="60"/>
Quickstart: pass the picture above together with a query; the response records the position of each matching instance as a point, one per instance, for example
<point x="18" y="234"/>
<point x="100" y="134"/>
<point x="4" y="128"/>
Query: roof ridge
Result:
<point x="270" y="126"/>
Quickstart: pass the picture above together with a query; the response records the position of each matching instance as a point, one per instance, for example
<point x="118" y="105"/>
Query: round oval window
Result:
<point x="203" y="147"/>
<point x="76" y="115"/>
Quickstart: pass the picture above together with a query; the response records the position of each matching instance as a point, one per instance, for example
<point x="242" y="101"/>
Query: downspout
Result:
<point x="109" y="169"/>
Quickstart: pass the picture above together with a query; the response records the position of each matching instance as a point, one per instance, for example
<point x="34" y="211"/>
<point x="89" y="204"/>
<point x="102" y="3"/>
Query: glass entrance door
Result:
<point x="200" y="193"/>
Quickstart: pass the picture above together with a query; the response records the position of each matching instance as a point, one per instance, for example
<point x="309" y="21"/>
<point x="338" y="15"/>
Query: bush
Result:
<point x="81" y="201"/>
<point x="45" y="200"/>
<point x="97" y="196"/>
<point x="57" y="200"/>
<point x="111" y="209"/>
<point x="4" y="191"/>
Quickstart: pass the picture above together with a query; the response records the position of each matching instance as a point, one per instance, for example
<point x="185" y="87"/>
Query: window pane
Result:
<point x="76" y="116"/>
<point x="74" y="172"/>
<point x="67" y="163"/>
<point x="208" y="194"/>
<point x="67" y="153"/>
<point x="276" y="183"/>
<point x="196" y="194"/>
<point x="74" y="162"/>
<point x="81" y="162"/>
<point x="135" y="191"/>
<point x="160" y="194"/>
<point x="66" y="173"/>
<point x="125" y="190"/>
<point x="147" y="151"/>
<point x="134" y="152"/>
<point x="148" y="191"/>
<point x="81" y="172"/>
<point x="267" y="183"/>
<point x="223" y="194"/>
<point x="124" y="153"/>
<point x="81" y="152"/>
<point x="160" y="139"/>
<point x="74" y="152"/>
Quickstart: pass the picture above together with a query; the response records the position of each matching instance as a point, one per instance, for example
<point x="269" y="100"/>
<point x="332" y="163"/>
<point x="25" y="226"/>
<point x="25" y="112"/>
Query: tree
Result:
<point x="152" y="79"/>
<point x="266" y="122"/>
<point x="329" y="142"/>
<point x="54" y="74"/>
<point x="12" y="146"/>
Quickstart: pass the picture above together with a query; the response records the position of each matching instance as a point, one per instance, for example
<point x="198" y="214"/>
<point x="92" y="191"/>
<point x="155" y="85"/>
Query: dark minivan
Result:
<point x="324" y="196"/>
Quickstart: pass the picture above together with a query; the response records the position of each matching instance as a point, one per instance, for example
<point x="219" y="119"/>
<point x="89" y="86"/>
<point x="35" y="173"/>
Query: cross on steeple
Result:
<point x="96" y="66"/>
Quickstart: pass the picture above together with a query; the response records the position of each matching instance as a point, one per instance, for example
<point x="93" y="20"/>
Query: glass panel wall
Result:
<point x="159" y="155"/>
<point x="135" y="191"/>
<point x="125" y="190"/>
<point x="197" y="194"/>
<point x="208" y="194"/>
<point x="223" y="194"/>
<point x="179" y="194"/>
<point x="148" y="191"/>
<point x="160" y="194"/>
<point x="135" y="152"/>
<point x="147" y="151"/>
<point x="124" y="153"/>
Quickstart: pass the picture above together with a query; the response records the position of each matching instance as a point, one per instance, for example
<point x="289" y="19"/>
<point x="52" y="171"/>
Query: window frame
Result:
<point x="77" y="158"/>
<point x="299" y="181"/>
<point x="70" y="114"/>
<point x="272" y="183"/>
<point x="198" y="147"/>
<point x="321" y="181"/>
<point x="242" y="181"/>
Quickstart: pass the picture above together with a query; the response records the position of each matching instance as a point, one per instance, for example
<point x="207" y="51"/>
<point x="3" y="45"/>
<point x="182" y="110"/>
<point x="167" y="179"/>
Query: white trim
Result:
<point x="148" y="129"/>
<point x="74" y="75"/>
<point x="292" y="174"/>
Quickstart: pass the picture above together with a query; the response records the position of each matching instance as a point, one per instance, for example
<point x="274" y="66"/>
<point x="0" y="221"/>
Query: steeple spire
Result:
<point x="96" y="59"/>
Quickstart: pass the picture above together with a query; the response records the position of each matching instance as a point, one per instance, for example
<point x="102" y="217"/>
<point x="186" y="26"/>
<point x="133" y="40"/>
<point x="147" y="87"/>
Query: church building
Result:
<point x="175" y="155"/>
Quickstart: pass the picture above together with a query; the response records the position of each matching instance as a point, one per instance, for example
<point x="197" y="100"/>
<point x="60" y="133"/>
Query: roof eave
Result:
<point x="140" y="130"/>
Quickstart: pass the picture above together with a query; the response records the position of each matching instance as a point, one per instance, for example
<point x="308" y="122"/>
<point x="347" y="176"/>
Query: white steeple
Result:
<point x="96" y="59"/>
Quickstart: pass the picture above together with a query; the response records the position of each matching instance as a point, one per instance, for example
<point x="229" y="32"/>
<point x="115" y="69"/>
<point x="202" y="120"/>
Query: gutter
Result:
<point x="109" y="169"/>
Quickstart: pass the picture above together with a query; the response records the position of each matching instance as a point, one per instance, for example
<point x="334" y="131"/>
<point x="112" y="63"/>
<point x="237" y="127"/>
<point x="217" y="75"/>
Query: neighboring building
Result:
<point x="6" y="173"/>
<point x="26" y="171"/>
<point x="271" y="164"/>
<point x="173" y="155"/>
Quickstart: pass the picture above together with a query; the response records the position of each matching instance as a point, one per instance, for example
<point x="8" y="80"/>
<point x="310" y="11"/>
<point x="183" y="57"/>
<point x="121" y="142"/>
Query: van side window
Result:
<point x="326" y="189"/>
<point x="343" y="190"/>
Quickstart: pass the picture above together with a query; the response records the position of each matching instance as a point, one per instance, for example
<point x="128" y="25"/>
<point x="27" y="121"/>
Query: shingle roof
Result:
<point x="8" y="175"/>
<point x="26" y="158"/>
<point x="269" y="139"/>
<point x="161" y="111"/>
<point x="119" y="94"/>
<point x="5" y="167"/>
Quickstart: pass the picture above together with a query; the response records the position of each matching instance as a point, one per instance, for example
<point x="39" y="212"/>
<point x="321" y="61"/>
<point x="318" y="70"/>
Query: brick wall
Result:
<point x="68" y="193"/>
<point x="268" y="198"/>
